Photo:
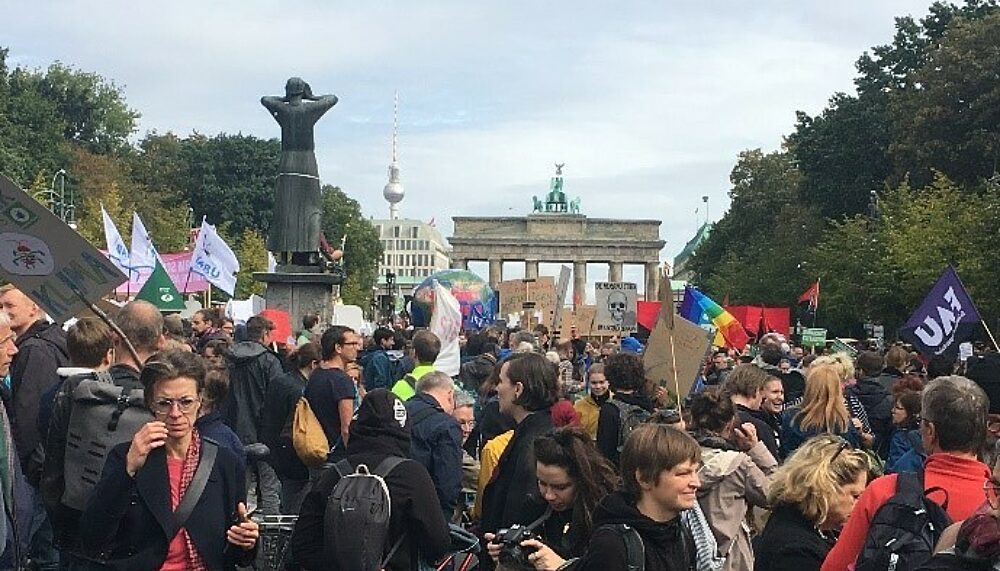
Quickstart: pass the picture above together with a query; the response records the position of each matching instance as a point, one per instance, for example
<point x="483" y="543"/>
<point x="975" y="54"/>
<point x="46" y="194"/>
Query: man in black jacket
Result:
<point x="875" y="398"/>
<point x="436" y="437"/>
<point x="41" y="349"/>
<point x="252" y="367"/>
<point x="527" y="390"/>
<point x="142" y="323"/>
<point x="380" y="430"/>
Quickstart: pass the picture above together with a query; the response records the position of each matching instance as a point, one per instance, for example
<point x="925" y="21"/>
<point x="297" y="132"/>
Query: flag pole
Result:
<point x="816" y="309"/>
<point x="990" y="333"/>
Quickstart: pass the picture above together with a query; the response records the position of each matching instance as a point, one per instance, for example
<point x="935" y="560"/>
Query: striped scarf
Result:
<point x="194" y="560"/>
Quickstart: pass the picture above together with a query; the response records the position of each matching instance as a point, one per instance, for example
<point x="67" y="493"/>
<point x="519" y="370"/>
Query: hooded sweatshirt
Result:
<point x="667" y="546"/>
<point x="381" y="429"/>
<point x="732" y="482"/>
<point x="251" y="368"/>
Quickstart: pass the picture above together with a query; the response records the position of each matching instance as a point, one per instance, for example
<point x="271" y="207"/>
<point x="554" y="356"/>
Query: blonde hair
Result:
<point x="823" y="408"/>
<point x="839" y="361"/>
<point x="811" y="478"/>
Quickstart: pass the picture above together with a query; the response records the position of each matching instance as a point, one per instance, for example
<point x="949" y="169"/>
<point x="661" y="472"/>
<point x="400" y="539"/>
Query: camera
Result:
<point x="509" y="540"/>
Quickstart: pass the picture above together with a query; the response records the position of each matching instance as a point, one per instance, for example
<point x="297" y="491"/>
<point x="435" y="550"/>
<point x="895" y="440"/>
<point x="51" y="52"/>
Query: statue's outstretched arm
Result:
<point x="271" y="102"/>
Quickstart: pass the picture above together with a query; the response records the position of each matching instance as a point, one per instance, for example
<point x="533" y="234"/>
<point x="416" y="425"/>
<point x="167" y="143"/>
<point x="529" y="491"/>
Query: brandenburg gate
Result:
<point x="556" y="232"/>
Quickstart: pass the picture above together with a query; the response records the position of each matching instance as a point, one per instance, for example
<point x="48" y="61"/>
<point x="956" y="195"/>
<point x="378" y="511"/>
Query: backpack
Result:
<point x="103" y="415"/>
<point x="308" y="438"/>
<point x="904" y="531"/>
<point x="629" y="417"/>
<point x="634" y="549"/>
<point x="357" y="516"/>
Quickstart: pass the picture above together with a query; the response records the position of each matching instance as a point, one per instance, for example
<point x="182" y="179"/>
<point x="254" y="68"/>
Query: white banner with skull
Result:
<point x="616" y="306"/>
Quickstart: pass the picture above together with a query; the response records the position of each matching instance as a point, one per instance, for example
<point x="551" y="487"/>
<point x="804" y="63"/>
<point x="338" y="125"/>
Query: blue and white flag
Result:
<point x="117" y="251"/>
<point x="214" y="260"/>
<point x="143" y="255"/>
<point x="945" y="319"/>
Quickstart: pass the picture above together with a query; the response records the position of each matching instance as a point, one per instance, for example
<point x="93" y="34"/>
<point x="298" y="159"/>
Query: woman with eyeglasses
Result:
<point x="811" y="496"/>
<point x="170" y="499"/>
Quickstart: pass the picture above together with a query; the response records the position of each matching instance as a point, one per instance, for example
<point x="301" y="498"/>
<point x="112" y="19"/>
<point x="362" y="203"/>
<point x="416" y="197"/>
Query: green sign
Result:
<point x="814" y="337"/>
<point x="839" y="346"/>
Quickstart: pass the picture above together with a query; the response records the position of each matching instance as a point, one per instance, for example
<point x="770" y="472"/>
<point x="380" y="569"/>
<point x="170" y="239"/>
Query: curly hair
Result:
<point x="810" y="479"/>
<point x="625" y="372"/>
<point x="711" y="409"/>
<point x="573" y="450"/>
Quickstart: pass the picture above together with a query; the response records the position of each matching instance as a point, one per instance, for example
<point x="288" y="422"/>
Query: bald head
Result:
<point x="142" y="323"/>
<point x="21" y="311"/>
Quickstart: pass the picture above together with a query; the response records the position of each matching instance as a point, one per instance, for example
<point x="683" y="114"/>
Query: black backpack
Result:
<point x="634" y="549"/>
<point x="103" y="415"/>
<point x="356" y="521"/>
<point x="629" y="417"/>
<point x="904" y="531"/>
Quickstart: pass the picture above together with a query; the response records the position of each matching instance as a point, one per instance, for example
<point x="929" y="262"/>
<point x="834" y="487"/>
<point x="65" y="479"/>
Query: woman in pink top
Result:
<point x="170" y="499"/>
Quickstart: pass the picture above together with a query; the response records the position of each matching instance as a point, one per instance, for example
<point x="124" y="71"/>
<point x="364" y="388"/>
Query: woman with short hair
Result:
<point x="811" y="497"/>
<point x="130" y="520"/>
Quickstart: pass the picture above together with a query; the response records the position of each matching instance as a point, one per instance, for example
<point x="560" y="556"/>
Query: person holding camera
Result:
<point x="573" y="477"/>
<point x="526" y="391"/>
<point x="735" y="473"/>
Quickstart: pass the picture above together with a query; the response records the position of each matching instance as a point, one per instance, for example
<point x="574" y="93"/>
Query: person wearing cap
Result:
<point x="381" y="429"/>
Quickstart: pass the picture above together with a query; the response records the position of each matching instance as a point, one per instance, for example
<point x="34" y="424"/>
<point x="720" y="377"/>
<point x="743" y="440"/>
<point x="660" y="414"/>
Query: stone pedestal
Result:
<point x="299" y="293"/>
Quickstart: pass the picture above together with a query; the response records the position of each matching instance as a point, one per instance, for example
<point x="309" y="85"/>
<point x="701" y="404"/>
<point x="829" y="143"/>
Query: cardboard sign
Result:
<point x="675" y="366"/>
<point x="514" y="294"/>
<point x="47" y="260"/>
<point x="616" y="304"/>
<point x="561" y="288"/>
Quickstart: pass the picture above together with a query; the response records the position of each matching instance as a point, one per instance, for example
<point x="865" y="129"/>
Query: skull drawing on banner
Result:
<point x="617" y="302"/>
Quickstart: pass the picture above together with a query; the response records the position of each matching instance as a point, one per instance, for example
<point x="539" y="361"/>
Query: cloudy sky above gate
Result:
<point x="647" y="103"/>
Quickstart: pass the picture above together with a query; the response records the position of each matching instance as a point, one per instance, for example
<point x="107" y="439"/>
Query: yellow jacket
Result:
<point x="488" y="459"/>
<point x="589" y="412"/>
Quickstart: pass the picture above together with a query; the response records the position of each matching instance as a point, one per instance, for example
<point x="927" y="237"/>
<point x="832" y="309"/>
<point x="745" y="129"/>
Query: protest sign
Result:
<point x="52" y="264"/>
<point x="540" y="293"/>
<point x="839" y="346"/>
<point x="685" y="353"/>
<point x="946" y="318"/>
<point x="616" y="304"/>
<point x="446" y="323"/>
<point x="561" y="288"/>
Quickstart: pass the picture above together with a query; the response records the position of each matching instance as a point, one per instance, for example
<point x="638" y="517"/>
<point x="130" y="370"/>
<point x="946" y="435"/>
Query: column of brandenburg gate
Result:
<point x="557" y="232"/>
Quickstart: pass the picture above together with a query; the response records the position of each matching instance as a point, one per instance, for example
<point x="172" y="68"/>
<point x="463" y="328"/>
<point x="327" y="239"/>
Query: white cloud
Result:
<point x="647" y="103"/>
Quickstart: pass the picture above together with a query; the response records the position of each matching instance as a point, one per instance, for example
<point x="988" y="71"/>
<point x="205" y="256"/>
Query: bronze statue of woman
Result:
<point x="295" y="224"/>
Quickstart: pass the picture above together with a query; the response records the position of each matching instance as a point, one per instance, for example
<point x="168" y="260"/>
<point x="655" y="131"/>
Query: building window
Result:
<point x="413" y="232"/>
<point x="395" y="231"/>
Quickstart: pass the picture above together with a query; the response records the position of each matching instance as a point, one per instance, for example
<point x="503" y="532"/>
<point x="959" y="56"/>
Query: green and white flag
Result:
<point x="161" y="291"/>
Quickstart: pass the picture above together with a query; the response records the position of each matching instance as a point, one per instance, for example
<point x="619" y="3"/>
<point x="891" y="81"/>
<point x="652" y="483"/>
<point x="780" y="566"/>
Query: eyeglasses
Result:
<point x="992" y="491"/>
<point x="165" y="406"/>
<point x="10" y="338"/>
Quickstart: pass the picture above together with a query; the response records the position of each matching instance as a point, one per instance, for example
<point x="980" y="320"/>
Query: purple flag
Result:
<point x="946" y="318"/>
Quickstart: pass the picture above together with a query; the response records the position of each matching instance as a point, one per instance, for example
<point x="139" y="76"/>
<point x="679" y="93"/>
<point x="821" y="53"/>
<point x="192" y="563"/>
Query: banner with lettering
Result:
<point x="946" y="318"/>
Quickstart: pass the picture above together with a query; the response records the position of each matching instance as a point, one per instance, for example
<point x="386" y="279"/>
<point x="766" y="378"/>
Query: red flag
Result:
<point x="811" y="295"/>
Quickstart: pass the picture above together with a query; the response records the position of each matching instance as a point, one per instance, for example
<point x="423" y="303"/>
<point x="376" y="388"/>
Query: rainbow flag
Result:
<point x="700" y="309"/>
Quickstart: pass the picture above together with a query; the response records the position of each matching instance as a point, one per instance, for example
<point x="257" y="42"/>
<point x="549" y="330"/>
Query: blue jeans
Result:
<point x="42" y="551"/>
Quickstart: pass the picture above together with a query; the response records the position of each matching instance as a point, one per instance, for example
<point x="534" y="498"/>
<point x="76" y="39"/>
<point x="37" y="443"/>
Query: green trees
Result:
<point x="64" y="118"/>
<point x="342" y="220"/>
<point x="922" y="133"/>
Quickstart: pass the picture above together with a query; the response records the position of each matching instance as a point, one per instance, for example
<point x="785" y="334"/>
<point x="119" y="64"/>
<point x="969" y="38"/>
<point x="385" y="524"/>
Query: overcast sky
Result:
<point x="647" y="103"/>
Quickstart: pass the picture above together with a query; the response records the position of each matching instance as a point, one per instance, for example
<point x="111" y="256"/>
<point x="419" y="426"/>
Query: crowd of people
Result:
<point x="162" y="443"/>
